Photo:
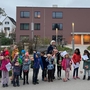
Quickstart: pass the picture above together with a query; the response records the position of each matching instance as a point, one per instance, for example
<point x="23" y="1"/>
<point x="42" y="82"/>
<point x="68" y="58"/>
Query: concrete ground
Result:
<point x="72" y="84"/>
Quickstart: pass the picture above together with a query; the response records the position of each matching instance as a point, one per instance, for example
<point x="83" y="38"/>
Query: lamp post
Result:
<point x="73" y="37"/>
<point x="56" y="36"/>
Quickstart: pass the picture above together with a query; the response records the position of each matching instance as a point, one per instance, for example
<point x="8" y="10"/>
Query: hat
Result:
<point x="26" y="54"/>
<point x="52" y="42"/>
<point x="23" y="51"/>
<point x="64" y="53"/>
<point x="6" y="53"/>
<point x="38" y="54"/>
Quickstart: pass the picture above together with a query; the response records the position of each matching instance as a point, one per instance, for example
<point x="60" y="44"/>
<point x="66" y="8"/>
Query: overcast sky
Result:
<point x="10" y="5"/>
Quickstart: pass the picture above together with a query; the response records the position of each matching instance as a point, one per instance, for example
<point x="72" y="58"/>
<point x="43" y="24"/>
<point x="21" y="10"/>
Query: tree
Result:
<point x="2" y="12"/>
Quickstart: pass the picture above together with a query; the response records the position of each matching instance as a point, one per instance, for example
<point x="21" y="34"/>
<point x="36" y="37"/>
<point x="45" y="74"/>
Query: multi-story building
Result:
<point x="53" y="21"/>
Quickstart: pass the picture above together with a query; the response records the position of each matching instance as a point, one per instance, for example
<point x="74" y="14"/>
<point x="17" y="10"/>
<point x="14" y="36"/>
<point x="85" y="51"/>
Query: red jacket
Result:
<point x="76" y="58"/>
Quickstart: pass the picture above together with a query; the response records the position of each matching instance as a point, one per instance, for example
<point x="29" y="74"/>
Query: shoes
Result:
<point x="23" y="83"/>
<point x="6" y="85"/>
<point x="88" y="78"/>
<point x="78" y="77"/>
<point x="84" y="77"/>
<point x="34" y="83"/>
<point x="3" y="85"/>
<point x="59" y="78"/>
<point x="27" y="82"/>
<point x="74" y="78"/>
<point x="37" y="82"/>
<point x="14" y="85"/>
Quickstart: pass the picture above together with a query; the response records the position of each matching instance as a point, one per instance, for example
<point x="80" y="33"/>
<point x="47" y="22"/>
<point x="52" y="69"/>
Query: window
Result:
<point x="36" y="26"/>
<point x="57" y="25"/>
<point x="59" y="38"/>
<point x="6" y="22"/>
<point x="24" y="26"/>
<point x="57" y="15"/>
<point x="24" y="14"/>
<point x="37" y="14"/>
<point x="7" y="28"/>
<point x="24" y="37"/>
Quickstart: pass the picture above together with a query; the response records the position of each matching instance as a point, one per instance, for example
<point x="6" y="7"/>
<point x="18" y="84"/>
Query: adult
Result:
<point x="51" y="47"/>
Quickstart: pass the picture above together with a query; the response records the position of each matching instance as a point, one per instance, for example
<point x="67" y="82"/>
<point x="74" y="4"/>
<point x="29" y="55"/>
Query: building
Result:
<point x="53" y="21"/>
<point x="8" y="25"/>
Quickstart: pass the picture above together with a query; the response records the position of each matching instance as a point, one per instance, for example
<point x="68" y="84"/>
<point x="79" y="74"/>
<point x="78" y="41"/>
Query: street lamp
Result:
<point x="73" y="37"/>
<point x="56" y="35"/>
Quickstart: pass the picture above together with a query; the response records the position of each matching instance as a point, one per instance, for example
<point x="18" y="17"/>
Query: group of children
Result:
<point x="48" y="62"/>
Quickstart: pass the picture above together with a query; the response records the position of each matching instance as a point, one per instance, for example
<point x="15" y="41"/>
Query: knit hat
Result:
<point x="52" y="42"/>
<point x="23" y="51"/>
<point x="6" y="53"/>
<point x="38" y="54"/>
<point x="26" y="54"/>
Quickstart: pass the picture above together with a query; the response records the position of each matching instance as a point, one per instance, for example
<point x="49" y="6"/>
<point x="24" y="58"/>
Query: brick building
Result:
<point x="43" y="21"/>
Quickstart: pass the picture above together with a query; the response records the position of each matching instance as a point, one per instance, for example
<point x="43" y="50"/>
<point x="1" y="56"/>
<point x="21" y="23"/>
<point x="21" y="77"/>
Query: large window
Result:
<point x="24" y="14"/>
<point x="57" y="15"/>
<point x="24" y="26"/>
<point x="37" y="14"/>
<point x="57" y="25"/>
<point x="36" y="26"/>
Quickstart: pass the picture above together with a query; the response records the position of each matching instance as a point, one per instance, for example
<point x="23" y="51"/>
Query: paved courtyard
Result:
<point x="56" y="84"/>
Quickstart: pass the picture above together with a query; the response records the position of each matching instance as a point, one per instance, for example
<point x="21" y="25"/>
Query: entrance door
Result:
<point x="86" y="39"/>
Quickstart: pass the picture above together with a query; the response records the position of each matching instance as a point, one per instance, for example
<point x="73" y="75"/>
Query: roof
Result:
<point x="13" y="21"/>
<point x="80" y="33"/>
<point x="2" y="18"/>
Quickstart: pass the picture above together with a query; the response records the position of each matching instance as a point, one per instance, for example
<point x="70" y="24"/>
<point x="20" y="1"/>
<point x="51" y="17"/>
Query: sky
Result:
<point x="10" y="5"/>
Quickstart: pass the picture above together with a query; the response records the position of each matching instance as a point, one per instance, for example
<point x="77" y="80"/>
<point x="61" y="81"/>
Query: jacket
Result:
<point x="86" y="63"/>
<point x="16" y="70"/>
<point x="44" y="62"/>
<point x="64" y="64"/>
<point x="76" y="58"/>
<point x="50" y="49"/>
<point x="4" y="63"/>
<point x="26" y="65"/>
<point x="37" y="62"/>
<point x="50" y="65"/>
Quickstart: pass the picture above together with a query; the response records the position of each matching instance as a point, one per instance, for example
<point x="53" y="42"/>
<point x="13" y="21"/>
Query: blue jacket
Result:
<point x="37" y="62"/>
<point x="50" y="65"/>
<point x="26" y="65"/>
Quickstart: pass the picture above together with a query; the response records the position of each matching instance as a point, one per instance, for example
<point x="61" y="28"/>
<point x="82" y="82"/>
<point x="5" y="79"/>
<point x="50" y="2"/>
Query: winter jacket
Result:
<point x="16" y="70"/>
<point x="66" y="64"/>
<point x="37" y="62"/>
<point x="44" y="62"/>
<point x="86" y="63"/>
<point x="50" y="49"/>
<point x="50" y="65"/>
<point x="76" y="58"/>
<point x="59" y="58"/>
<point x="26" y="65"/>
<point x="4" y="63"/>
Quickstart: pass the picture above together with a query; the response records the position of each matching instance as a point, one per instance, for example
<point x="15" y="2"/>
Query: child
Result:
<point x="50" y="67"/>
<point x="66" y="65"/>
<point x="16" y="72"/>
<point x="44" y="71"/>
<point x="5" y="72"/>
<point x="25" y="68"/>
<point x="86" y="65"/>
<point x="59" y="66"/>
<point x="22" y="57"/>
<point x="76" y="58"/>
<point x="36" y="66"/>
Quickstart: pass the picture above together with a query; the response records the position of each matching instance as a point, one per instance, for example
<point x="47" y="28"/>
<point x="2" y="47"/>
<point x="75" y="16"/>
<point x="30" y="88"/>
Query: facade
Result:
<point x="8" y="25"/>
<point x="52" y="22"/>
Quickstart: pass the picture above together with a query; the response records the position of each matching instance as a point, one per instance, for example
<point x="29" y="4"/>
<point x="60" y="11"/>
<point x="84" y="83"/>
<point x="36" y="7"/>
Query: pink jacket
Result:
<point x="64" y="63"/>
<point x="4" y="63"/>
